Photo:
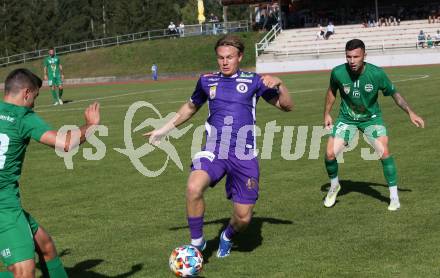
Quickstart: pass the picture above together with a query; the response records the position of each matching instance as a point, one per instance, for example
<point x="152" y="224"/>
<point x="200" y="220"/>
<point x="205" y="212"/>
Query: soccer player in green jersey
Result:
<point x="20" y="234"/>
<point x="359" y="83"/>
<point x="53" y="73"/>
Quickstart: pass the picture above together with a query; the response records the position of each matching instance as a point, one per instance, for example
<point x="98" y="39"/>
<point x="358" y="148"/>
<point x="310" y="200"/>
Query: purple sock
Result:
<point x="230" y="232"/>
<point x="195" y="227"/>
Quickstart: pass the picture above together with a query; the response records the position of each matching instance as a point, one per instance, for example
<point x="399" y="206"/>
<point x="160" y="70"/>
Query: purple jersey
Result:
<point x="232" y="101"/>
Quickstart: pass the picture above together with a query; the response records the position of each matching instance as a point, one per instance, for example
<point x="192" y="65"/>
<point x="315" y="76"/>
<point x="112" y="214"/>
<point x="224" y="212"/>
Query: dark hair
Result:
<point x="51" y="48"/>
<point x="19" y="79"/>
<point x="230" y="40"/>
<point x="353" y="44"/>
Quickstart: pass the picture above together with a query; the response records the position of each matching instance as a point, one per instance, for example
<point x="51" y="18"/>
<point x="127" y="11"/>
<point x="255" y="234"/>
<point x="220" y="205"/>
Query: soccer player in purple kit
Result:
<point x="230" y="149"/>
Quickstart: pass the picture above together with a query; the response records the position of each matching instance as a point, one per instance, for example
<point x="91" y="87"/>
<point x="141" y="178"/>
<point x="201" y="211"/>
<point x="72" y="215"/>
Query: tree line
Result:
<point x="27" y="25"/>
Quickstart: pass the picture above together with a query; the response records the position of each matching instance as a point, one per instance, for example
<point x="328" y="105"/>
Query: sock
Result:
<point x="389" y="171"/>
<point x="196" y="227"/>
<point x="60" y="93"/>
<point x="6" y="275"/>
<point x="55" y="268"/>
<point x="229" y="233"/>
<point x="393" y="192"/>
<point x="54" y="95"/>
<point x="332" y="168"/>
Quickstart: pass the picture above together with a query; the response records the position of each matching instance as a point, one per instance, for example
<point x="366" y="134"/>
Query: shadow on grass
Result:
<point x="246" y="241"/>
<point x="366" y="188"/>
<point x="84" y="269"/>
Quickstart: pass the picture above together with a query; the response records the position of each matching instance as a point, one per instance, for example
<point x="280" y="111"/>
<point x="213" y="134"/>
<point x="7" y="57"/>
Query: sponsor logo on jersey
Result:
<point x="213" y="84"/>
<point x="243" y="80"/>
<point x="5" y="253"/>
<point x="356" y="93"/>
<point x="347" y="88"/>
<point x="251" y="183"/>
<point x="212" y="91"/>
<point x="7" y="118"/>
<point x="246" y="74"/>
<point x="213" y="79"/>
<point x="368" y="88"/>
<point x="242" y="88"/>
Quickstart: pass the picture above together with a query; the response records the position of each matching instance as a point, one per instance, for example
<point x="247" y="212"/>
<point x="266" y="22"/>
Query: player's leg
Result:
<point x="53" y="91"/>
<point x="198" y="181"/>
<point x="23" y="269"/>
<point x="389" y="171"/>
<point x="240" y="220"/>
<point x="60" y="93"/>
<point x="335" y="145"/>
<point x="51" y="265"/>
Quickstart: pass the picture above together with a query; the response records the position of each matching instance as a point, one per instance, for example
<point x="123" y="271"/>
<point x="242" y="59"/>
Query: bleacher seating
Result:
<point x="303" y="42"/>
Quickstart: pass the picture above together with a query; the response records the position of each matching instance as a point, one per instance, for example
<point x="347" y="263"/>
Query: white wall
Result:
<point x="419" y="57"/>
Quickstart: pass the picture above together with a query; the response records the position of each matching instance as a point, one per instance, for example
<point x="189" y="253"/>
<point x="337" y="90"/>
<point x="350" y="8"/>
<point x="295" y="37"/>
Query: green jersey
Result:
<point x="17" y="125"/>
<point x="359" y="93"/>
<point x="53" y="66"/>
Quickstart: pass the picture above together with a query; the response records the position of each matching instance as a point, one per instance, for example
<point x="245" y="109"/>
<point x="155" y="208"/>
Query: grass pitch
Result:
<point x="108" y="220"/>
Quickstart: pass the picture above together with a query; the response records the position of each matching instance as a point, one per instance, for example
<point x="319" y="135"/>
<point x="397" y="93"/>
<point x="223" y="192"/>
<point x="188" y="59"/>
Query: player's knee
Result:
<point x="243" y="220"/>
<point x="330" y="155"/>
<point x="194" y="190"/>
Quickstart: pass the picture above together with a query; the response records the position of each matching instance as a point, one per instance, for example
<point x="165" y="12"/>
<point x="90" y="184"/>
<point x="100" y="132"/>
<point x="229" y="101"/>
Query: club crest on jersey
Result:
<point x="242" y="88"/>
<point x="346" y="88"/>
<point x="212" y="91"/>
<point x="368" y="88"/>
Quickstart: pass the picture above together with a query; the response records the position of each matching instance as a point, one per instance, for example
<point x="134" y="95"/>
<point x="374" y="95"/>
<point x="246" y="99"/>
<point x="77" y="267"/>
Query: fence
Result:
<point x="189" y="30"/>
<point x="265" y="41"/>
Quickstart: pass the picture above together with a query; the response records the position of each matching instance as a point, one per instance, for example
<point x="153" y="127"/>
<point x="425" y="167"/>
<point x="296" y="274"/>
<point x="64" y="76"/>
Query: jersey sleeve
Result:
<point x="265" y="92"/>
<point x="334" y="86"/>
<point x="386" y="86"/>
<point x="32" y="126"/>
<point x="199" y="96"/>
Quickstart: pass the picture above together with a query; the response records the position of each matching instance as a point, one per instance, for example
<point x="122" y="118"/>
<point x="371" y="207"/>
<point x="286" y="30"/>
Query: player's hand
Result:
<point x="91" y="114"/>
<point x="271" y="81"/>
<point x="155" y="136"/>
<point x="328" y="122"/>
<point x="416" y="120"/>
<point x="62" y="77"/>
<point x="45" y="77"/>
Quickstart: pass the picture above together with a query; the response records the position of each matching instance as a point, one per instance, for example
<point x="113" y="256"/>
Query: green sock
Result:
<point x="389" y="171"/>
<point x="6" y="275"/>
<point x="55" y="268"/>
<point x="60" y="93"/>
<point x="54" y="95"/>
<point x="332" y="168"/>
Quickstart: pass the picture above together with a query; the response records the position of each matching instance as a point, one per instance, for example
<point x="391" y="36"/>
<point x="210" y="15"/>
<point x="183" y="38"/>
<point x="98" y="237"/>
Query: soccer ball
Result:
<point x="186" y="261"/>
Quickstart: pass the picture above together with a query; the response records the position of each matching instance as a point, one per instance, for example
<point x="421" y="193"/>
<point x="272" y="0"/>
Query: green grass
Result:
<point x="107" y="219"/>
<point x="183" y="55"/>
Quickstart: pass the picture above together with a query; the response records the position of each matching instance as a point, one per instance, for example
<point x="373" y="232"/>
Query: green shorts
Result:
<point x="17" y="230"/>
<point x="55" y="81"/>
<point x="346" y="129"/>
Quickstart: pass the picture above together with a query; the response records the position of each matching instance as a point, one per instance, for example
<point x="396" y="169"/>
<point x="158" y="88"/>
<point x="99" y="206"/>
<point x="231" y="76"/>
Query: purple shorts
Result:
<point x="242" y="176"/>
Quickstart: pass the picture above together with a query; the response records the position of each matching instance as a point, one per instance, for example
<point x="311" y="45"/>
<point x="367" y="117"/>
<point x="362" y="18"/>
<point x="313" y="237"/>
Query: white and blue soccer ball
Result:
<point x="186" y="261"/>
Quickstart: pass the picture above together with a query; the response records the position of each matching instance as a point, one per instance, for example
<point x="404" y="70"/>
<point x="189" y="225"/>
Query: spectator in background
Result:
<point x="429" y="41"/>
<point x="181" y="29"/>
<point x="421" y="39"/>
<point x="320" y="34"/>
<point x="172" y="31"/>
<point x="330" y="30"/>
<point x="433" y="16"/>
<point x="154" y="70"/>
<point x="437" y="38"/>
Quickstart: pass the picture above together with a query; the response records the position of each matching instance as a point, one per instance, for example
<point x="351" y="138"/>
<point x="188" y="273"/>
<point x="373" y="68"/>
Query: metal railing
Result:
<point x="265" y="41"/>
<point x="189" y="30"/>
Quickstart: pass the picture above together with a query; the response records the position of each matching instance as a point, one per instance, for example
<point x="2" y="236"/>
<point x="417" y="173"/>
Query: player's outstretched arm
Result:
<point x="401" y="102"/>
<point x="74" y="138"/>
<point x="329" y="101"/>
<point x="283" y="101"/>
<point x="185" y="112"/>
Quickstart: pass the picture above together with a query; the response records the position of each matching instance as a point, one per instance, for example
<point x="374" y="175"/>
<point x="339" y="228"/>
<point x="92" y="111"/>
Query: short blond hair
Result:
<point x="230" y="40"/>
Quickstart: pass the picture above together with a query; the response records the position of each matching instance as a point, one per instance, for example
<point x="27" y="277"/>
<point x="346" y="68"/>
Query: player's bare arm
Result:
<point x="185" y="112"/>
<point x="73" y="138"/>
<point x="329" y="101"/>
<point x="61" y="72"/>
<point x="45" y="73"/>
<point x="283" y="101"/>
<point x="401" y="102"/>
